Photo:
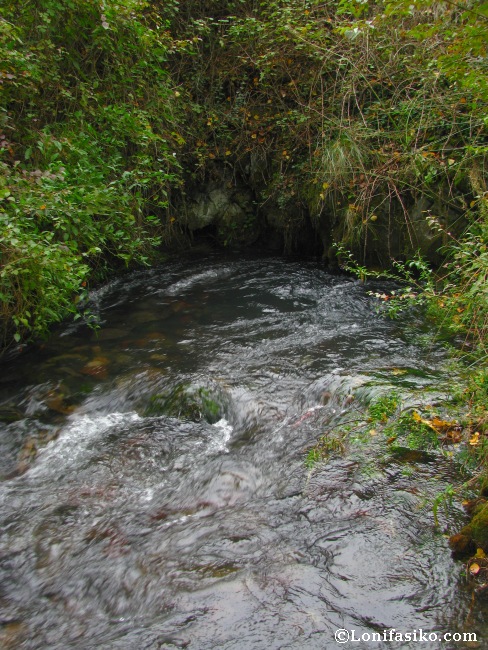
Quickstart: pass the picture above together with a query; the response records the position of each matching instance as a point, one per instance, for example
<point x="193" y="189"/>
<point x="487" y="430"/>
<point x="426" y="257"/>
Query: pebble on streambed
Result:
<point x="96" y="368"/>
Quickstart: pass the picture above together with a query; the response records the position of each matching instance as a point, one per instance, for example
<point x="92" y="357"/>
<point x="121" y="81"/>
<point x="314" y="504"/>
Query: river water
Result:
<point x="155" y="492"/>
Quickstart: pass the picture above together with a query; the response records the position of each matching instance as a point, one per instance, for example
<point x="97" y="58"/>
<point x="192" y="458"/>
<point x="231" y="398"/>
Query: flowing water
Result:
<point x="155" y="492"/>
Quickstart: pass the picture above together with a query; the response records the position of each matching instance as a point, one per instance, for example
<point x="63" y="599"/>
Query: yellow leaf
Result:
<point x="475" y="439"/>
<point x="451" y="161"/>
<point x="442" y="424"/>
<point x="372" y="432"/>
<point x="472" y="204"/>
<point x="429" y="423"/>
<point x="480" y="553"/>
<point x="325" y="185"/>
<point x="227" y="153"/>
<point x="474" y="569"/>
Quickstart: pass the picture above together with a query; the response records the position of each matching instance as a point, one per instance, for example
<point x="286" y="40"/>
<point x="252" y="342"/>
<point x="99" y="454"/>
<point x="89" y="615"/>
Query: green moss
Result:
<point x="383" y="407"/>
<point x="186" y="402"/>
<point x="331" y="443"/>
<point x="416" y="434"/>
<point x="477" y="529"/>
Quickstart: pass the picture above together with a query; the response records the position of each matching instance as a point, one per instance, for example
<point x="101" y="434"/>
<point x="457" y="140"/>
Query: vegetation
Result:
<point x="358" y="119"/>
<point x="187" y="402"/>
<point x="87" y="140"/>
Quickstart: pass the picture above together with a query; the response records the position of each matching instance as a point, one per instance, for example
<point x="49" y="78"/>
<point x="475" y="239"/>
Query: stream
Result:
<point x="154" y="488"/>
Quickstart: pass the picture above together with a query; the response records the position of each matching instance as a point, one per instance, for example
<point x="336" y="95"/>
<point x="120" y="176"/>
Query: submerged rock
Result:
<point x="56" y="401"/>
<point x="110" y="334"/>
<point x="97" y="367"/>
<point x="194" y="403"/>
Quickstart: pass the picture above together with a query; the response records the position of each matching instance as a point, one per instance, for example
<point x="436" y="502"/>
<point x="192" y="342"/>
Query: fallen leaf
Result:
<point x="474" y="569"/>
<point x="442" y="424"/>
<point x="398" y="371"/>
<point x="445" y="427"/>
<point x="475" y="438"/>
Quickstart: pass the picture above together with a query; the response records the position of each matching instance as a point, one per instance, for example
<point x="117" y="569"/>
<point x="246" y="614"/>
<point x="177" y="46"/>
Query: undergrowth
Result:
<point x="366" y="120"/>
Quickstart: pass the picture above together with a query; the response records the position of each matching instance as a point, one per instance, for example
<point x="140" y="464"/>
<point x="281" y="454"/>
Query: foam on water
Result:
<point x="219" y="444"/>
<point x="74" y="444"/>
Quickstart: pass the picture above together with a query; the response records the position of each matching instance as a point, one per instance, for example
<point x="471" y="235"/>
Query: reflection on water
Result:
<point x="154" y="489"/>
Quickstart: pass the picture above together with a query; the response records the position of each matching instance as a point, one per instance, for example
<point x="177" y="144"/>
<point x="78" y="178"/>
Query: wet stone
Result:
<point x="97" y="367"/>
<point x="142" y="318"/>
<point x="407" y="455"/>
<point x="9" y="414"/>
<point x="12" y="634"/>
<point x="110" y="334"/>
<point x="57" y="401"/>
